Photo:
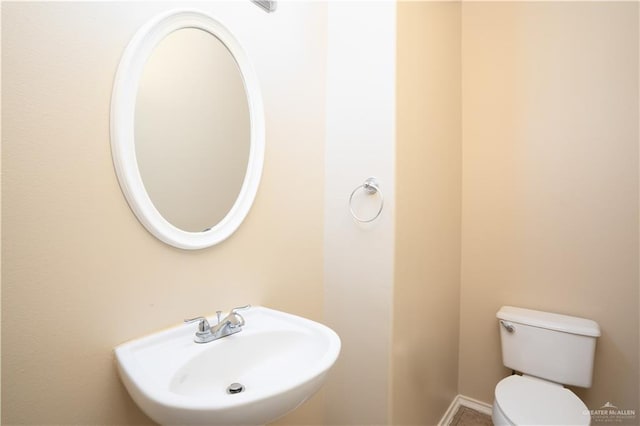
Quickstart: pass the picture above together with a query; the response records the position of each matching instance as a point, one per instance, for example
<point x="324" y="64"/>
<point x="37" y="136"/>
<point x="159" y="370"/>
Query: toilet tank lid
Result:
<point x="548" y="320"/>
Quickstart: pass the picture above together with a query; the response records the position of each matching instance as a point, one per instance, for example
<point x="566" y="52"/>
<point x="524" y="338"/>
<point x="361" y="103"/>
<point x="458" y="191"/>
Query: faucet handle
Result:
<point x="239" y="308"/>
<point x="239" y="319"/>
<point x="203" y="325"/>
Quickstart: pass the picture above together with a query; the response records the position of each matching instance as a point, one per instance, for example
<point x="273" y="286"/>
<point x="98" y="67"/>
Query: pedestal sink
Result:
<point x="249" y="378"/>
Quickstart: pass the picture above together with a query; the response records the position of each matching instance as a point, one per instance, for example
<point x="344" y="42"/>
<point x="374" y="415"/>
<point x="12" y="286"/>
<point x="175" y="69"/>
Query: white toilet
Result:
<point x="550" y="350"/>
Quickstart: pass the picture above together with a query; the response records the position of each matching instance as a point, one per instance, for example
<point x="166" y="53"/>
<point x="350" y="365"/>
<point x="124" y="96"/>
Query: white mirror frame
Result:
<point x="123" y="104"/>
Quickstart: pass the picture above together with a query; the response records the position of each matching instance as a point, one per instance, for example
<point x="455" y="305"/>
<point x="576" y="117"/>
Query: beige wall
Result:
<point x="427" y="255"/>
<point x="550" y="181"/>
<point x="79" y="273"/>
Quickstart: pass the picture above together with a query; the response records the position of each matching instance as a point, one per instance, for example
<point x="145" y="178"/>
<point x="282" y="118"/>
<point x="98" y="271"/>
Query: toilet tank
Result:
<point x="554" y="347"/>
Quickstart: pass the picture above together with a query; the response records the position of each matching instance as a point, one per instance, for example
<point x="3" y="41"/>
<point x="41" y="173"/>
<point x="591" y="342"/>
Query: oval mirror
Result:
<point x="187" y="129"/>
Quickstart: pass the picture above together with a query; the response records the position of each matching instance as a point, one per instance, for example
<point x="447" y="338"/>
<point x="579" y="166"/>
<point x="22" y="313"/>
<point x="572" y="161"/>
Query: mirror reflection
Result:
<point x="192" y="129"/>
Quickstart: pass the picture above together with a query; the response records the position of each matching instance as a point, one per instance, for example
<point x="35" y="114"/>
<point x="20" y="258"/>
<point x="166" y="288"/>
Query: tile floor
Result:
<point x="467" y="417"/>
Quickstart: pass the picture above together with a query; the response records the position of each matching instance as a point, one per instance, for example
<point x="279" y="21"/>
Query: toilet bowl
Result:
<point x="524" y="400"/>
<point x="550" y="350"/>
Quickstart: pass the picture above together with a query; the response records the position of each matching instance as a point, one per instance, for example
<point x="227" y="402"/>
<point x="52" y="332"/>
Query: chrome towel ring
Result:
<point x="370" y="187"/>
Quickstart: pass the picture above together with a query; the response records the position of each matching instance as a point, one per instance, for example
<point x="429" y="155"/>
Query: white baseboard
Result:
<point x="464" y="401"/>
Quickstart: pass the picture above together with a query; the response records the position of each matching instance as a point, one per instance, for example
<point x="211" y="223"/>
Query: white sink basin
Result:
<point x="280" y="359"/>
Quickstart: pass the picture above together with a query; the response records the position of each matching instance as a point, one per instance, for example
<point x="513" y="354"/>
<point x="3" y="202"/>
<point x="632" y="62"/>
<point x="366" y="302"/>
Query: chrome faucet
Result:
<point x="227" y="326"/>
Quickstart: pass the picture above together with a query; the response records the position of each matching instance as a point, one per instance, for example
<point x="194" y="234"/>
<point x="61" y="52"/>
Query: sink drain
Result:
<point x="235" y="388"/>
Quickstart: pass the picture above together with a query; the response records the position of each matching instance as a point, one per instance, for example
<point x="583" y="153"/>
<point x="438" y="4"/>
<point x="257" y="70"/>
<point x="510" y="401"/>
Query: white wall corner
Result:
<point x="358" y="258"/>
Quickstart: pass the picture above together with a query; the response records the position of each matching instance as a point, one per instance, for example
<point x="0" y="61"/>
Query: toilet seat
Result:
<point x="525" y="400"/>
